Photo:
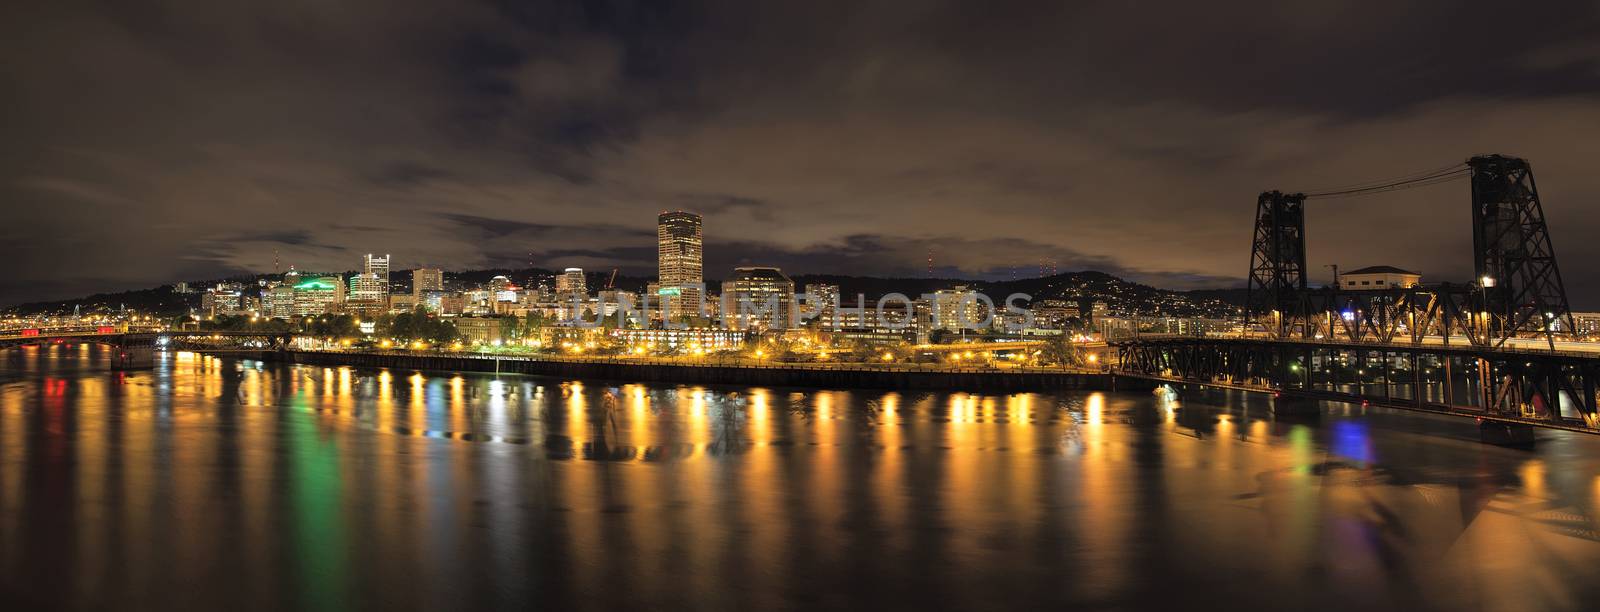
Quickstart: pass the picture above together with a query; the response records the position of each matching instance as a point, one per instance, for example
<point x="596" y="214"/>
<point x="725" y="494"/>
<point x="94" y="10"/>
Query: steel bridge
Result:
<point x="1499" y="348"/>
<point x="135" y="349"/>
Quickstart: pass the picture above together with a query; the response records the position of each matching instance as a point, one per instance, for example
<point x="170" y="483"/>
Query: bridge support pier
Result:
<point x="1128" y="383"/>
<point x="1505" y="434"/>
<point x="133" y="358"/>
<point x="1283" y="405"/>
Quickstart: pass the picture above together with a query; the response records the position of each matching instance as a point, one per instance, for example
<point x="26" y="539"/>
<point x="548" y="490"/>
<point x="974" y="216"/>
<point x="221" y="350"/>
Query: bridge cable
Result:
<point x="1401" y="185"/>
<point x="1385" y="181"/>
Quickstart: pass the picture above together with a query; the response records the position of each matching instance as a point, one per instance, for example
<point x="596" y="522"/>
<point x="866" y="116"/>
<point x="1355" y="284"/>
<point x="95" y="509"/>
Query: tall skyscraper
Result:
<point x="379" y="268"/>
<point x="680" y="265"/>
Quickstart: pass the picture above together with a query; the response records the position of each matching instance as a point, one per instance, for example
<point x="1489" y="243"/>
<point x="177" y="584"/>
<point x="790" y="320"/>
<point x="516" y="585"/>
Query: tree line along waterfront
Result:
<point x="536" y="336"/>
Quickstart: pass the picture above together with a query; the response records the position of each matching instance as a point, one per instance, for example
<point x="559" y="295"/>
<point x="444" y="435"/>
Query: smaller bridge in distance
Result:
<point x="134" y="348"/>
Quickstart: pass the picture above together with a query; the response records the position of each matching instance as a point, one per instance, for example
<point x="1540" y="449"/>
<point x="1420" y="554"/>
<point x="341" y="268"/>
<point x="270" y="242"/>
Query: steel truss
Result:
<point x="1534" y="387"/>
<point x="1514" y="258"/>
<point x="1277" y="258"/>
<point x="1518" y="292"/>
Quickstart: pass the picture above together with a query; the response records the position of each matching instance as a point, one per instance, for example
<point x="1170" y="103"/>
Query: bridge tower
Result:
<point x="1277" y="261"/>
<point x="1515" y="261"/>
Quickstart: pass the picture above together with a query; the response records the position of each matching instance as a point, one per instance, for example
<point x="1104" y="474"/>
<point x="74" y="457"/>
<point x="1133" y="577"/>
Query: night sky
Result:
<point x="147" y="142"/>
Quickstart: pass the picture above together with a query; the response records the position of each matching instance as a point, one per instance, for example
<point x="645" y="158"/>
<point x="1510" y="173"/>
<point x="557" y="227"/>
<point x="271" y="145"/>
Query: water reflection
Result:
<point x="209" y="483"/>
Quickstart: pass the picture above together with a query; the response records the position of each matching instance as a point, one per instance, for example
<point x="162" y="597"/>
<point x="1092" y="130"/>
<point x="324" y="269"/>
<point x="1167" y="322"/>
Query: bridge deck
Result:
<point x="1515" y="384"/>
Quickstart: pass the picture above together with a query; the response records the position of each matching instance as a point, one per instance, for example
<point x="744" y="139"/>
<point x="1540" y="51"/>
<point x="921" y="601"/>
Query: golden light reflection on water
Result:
<point x="890" y="467"/>
<point x="822" y="493"/>
<point x="698" y="431"/>
<point x="765" y="520"/>
<point x="1533" y="478"/>
<point x="1094" y="410"/>
<point x="457" y="481"/>
<point x="1104" y="513"/>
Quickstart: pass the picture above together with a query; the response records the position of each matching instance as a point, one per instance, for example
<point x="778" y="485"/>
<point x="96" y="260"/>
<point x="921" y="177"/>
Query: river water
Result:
<point x="232" y="484"/>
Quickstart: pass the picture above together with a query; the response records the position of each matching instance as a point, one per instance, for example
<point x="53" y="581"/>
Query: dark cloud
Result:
<point x="146" y="144"/>
<point x="407" y="174"/>
<point x="289" y="237"/>
<point x="501" y="228"/>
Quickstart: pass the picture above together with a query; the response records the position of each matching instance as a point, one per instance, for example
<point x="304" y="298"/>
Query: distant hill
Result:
<point x="1083" y="288"/>
<point x="156" y="299"/>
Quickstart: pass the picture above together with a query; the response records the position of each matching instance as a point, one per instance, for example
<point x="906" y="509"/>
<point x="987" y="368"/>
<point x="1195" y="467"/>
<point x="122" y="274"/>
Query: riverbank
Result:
<point x="710" y="372"/>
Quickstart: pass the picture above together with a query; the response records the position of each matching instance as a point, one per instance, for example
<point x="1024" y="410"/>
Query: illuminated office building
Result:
<point x="378" y="267"/>
<point x="571" y="283"/>
<point x="680" y="269"/>
<point x="425" y="280"/>
<point x="757" y="298"/>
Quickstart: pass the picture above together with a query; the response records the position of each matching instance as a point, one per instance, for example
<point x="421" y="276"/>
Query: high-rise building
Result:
<point x="315" y="295"/>
<point x="957" y="309"/>
<point x="823" y="299"/>
<point x="424" y="280"/>
<point x="367" y="294"/>
<point x="680" y="269"/>
<point x="757" y="298"/>
<point x="503" y="293"/>
<point x="282" y="301"/>
<point x="571" y="283"/>
<point x="378" y="267"/>
<point x="221" y="300"/>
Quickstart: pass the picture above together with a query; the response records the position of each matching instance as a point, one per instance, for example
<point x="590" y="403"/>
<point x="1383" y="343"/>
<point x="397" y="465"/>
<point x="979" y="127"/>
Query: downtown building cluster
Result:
<point x="677" y="308"/>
